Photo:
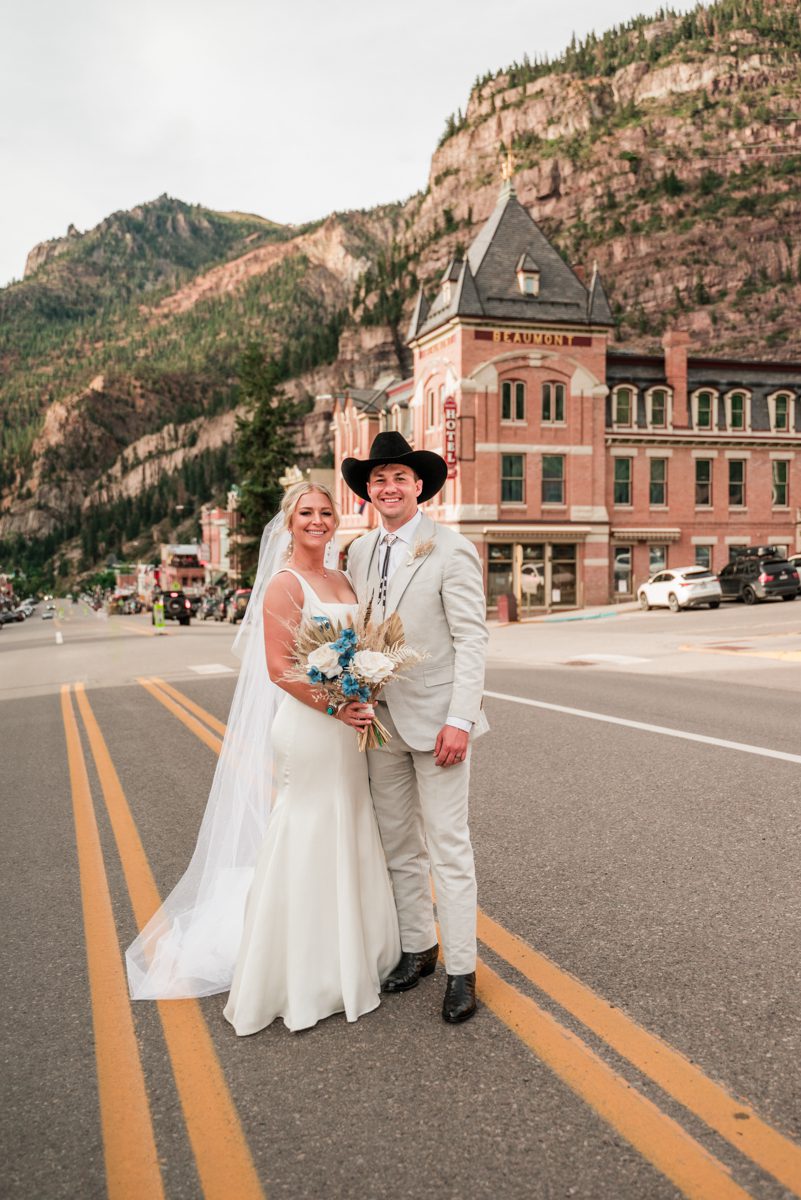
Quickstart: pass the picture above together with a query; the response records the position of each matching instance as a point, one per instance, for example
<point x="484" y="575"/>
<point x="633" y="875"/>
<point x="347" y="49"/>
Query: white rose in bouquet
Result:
<point x="326" y="660"/>
<point x="371" y="666"/>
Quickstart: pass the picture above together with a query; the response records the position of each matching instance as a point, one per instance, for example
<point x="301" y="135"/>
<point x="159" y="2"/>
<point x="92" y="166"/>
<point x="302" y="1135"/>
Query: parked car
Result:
<point x="7" y="617"/>
<point x="238" y="604"/>
<point x="795" y="561"/>
<point x="210" y="609"/>
<point x="680" y="587"/>
<point x="759" y="575"/>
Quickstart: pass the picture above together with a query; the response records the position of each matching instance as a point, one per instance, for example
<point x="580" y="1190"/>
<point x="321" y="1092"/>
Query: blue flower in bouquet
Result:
<point x="353" y="690"/>
<point x="345" y="646"/>
<point x="314" y="675"/>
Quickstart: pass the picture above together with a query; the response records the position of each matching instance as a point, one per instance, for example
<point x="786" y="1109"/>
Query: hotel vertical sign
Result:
<point x="450" y="436"/>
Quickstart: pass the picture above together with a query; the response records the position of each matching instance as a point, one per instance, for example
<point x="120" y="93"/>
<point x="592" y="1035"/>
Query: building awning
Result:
<point x="639" y="534"/>
<point x="537" y="533"/>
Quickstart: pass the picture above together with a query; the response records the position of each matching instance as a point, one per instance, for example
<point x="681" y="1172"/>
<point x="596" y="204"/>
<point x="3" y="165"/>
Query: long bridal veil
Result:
<point x="189" y="946"/>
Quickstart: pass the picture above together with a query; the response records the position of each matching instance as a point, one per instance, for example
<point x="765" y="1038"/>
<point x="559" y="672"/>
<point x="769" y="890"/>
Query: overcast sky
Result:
<point x="277" y="107"/>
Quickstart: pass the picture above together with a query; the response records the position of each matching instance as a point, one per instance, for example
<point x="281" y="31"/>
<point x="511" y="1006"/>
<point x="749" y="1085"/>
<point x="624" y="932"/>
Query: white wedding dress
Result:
<point x="321" y="930"/>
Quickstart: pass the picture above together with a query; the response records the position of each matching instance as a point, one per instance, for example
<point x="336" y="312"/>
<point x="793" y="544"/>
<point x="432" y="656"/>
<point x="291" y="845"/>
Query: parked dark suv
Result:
<point x="177" y="607"/>
<point x="758" y="574"/>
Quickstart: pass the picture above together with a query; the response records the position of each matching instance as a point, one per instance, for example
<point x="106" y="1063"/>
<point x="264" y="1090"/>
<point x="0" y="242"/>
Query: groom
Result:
<point x="432" y="577"/>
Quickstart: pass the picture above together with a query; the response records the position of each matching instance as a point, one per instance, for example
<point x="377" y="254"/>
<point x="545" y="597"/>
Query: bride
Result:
<point x="286" y="900"/>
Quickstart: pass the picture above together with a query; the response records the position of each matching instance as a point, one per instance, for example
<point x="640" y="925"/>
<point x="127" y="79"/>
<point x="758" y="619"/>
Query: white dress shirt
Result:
<point x="398" y="551"/>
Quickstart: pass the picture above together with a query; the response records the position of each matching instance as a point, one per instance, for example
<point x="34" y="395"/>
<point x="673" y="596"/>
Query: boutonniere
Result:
<point x="418" y="550"/>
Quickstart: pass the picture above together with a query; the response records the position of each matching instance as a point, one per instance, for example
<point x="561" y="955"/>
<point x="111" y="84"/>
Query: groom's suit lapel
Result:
<point x="371" y="576"/>
<point x="408" y="568"/>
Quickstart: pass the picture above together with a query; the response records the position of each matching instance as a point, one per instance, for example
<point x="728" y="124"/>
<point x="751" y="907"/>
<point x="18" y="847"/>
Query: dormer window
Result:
<point x="782" y="412"/>
<point x="658" y="408"/>
<point x="704" y="409"/>
<point x="528" y="276"/>
<point x="446" y="291"/>
<point x="623" y="407"/>
<point x="738" y="412"/>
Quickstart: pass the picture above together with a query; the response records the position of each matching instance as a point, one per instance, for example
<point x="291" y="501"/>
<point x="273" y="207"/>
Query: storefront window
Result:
<point x="564" y="588"/>
<point x="703" y="557"/>
<point x="541" y="575"/>
<point x="500" y="572"/>
<point x="622" y="571"/>
<point x="657" y="559"/>
<point x="532" y="576"/>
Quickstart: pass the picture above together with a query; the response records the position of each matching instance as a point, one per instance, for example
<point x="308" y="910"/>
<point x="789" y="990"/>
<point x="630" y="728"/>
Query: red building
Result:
<point x="577" y="468"/>
<point x="181" y="567"/>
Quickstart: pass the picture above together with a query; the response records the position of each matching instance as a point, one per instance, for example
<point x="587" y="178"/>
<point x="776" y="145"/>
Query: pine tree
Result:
<point x="265" y="446"/>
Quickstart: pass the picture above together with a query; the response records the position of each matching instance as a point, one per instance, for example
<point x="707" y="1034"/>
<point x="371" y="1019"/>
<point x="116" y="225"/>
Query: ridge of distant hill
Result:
<point x="667" y="150"/>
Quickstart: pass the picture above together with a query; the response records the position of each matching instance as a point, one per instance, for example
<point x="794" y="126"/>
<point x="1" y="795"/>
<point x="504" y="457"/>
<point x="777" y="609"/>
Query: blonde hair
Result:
<point x="295" y="494"/>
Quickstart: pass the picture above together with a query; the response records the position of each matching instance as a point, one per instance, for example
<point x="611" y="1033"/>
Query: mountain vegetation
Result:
<point x="668" y="150"/>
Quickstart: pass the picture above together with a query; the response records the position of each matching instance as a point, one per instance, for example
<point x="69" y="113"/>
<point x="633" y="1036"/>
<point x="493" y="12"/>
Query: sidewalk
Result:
<point x="592" y="613"/>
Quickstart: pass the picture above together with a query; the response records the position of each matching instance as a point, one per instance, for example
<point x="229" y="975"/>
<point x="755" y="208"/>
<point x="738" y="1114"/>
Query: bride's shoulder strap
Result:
<point x="296" y="575"/>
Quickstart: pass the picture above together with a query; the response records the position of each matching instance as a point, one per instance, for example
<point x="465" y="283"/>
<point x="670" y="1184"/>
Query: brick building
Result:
<point x="577" y="468"/>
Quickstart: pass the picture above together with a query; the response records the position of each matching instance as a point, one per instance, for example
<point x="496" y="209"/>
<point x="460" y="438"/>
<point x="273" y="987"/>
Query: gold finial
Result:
<point x="508" y="167"/>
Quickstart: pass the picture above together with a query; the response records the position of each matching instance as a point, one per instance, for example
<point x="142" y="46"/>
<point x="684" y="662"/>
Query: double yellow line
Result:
<point x="222" y="1157"/>
<point x="659" y="1138"/>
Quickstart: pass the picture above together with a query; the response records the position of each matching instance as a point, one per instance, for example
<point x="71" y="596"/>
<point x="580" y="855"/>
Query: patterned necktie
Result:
<point x="387" y="540"/>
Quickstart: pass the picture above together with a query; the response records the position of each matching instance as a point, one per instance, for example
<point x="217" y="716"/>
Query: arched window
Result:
<point x="623" y="406"/>
<point x="658" y="405"/>
<point x="513" y="400"/>
<point x="553" y="403"/>
<point x="738" y="411"/>
<point x="431" y="408"/>
<point x="781" y="406"/>
<point x="704" y="408"/>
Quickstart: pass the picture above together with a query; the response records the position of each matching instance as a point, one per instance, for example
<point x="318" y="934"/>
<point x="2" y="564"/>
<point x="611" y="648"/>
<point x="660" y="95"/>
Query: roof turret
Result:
<point x="486" y="283"/>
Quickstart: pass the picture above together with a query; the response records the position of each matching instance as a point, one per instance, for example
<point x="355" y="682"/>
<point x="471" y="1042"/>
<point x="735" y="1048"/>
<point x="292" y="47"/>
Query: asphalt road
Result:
<point x="637" y="841"/>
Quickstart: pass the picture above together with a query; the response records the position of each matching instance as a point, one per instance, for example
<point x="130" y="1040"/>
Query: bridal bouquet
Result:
<point x="346" y="662"/>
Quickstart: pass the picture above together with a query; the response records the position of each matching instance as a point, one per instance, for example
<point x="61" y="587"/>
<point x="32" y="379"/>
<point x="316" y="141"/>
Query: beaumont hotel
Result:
<point x="578" y="469"/>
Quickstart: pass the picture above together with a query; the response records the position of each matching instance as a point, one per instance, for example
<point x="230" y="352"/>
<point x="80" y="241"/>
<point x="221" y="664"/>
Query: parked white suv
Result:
<point x="680" y="587"/>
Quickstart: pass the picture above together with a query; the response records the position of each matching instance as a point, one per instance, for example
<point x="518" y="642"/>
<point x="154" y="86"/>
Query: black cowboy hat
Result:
<point x="392" y="447"/>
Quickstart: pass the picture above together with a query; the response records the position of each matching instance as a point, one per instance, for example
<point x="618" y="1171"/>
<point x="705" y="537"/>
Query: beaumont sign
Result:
<point x="531" y="337"/>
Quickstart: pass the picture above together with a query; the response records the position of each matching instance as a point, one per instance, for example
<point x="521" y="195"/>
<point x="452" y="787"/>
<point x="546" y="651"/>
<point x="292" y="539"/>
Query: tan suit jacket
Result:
<point x="439" y="596"/>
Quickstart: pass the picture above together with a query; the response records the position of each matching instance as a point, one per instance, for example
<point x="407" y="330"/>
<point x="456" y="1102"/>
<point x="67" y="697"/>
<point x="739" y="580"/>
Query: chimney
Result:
<point x="675" y="343"/>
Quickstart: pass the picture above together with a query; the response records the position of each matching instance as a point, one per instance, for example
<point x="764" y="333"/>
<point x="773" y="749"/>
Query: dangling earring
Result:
<point x="291" y="547"/>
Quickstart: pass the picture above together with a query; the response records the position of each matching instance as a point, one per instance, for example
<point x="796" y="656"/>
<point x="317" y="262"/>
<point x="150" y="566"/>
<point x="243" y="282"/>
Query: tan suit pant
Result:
<point x="422" y="816"/>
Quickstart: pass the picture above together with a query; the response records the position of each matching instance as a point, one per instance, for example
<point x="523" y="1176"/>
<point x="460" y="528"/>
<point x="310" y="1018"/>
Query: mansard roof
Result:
<point x="485" y="284"/>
